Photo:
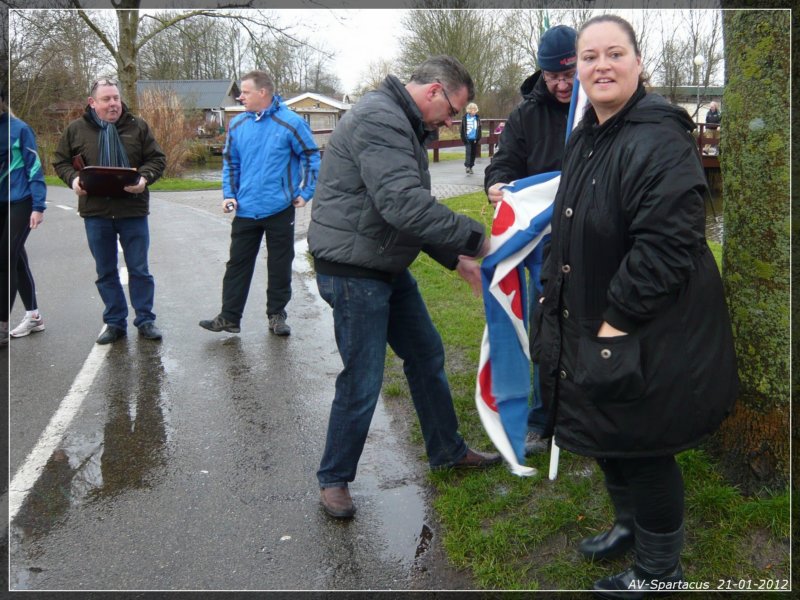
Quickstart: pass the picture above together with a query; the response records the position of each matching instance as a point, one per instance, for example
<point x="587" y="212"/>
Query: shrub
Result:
<point x="163" y="112"/>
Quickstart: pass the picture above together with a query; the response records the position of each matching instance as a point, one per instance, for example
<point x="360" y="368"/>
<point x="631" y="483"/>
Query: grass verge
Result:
<point x="166" y="184"/>
<point x="447" y="154"/>
<point x="516" y="533"/>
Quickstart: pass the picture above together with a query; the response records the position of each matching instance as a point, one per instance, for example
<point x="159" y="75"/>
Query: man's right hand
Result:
<point x="76" y="187"/>
<point x="495" y="193"/>
<point x="229" y="201"/>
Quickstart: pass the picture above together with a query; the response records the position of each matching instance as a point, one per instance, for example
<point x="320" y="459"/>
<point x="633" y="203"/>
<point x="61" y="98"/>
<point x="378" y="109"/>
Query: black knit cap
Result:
<point x="557" y="49"/>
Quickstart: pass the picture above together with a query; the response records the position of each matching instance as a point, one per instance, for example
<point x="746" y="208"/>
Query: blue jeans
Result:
<point x="134" y="237"/>
<point x="368" y="313"/>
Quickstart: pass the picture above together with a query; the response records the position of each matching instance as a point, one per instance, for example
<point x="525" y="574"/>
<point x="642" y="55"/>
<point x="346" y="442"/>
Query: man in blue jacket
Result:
<point x="270" y="167"/>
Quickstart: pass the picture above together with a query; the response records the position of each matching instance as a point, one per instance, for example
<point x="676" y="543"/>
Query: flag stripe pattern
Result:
<point x="521" y="223"/>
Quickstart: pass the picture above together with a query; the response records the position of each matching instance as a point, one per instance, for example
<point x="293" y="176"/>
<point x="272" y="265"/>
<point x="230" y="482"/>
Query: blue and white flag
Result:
<point x="521" y="223"/>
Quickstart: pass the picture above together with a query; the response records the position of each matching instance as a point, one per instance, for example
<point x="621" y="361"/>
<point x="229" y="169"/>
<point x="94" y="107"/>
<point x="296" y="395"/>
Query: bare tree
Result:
<point x="130" y="39"/>
<point x="196" y="48"/>
<point x="295" y="66"/>
<point x="50" y="62"/>
<point x="469" y="35"/>
<point x="373" y="74"/>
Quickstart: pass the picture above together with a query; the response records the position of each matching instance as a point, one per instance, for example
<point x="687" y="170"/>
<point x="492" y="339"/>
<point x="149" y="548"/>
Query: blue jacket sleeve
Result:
<point x="231" y="165"/>
<point x="33" y="169"/>
<point x="305" y="147"/>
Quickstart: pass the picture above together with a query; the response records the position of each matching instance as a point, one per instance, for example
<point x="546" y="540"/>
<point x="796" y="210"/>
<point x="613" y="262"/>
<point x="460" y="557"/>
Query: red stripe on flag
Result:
<point x="504" y="219"/>
<point x="510" y="284"/>
<point x="485" y="381"/>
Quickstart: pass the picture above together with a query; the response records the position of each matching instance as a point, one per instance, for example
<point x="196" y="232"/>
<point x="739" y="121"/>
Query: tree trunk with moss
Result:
<point x="754" y="159"/>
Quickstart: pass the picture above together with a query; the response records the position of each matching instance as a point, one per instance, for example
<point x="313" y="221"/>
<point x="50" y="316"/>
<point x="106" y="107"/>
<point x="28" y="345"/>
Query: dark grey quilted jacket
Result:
<point x="373" y="208"/>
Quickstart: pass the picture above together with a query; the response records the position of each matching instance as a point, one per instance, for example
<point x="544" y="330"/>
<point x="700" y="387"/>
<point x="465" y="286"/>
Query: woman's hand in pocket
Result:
<point x="607" y="330"/>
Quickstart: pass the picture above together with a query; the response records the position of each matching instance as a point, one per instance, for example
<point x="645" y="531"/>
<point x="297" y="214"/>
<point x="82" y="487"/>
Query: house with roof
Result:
<point x="319" y="111"/>
<point x="210" y="96"/>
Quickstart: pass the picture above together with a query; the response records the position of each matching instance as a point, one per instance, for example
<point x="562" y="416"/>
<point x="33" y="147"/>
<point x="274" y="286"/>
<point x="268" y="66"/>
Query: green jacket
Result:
<point x="144" y="154"/>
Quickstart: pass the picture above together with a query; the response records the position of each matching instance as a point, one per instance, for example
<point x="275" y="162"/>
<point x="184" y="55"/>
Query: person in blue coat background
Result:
<point x="270" y="167"/>
<point x="470" y="135"/>
<point x="24" y="193"/>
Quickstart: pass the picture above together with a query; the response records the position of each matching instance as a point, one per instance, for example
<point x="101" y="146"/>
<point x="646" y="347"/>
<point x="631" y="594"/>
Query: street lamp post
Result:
<point x="699" y="61"/>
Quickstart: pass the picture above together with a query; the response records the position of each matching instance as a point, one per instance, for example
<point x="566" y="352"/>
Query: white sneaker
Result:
<point x="29" y="325"/>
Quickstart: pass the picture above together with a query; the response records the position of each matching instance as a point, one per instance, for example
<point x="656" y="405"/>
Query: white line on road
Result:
<point x="64" y="207"/>
<point x="34" y="464"/>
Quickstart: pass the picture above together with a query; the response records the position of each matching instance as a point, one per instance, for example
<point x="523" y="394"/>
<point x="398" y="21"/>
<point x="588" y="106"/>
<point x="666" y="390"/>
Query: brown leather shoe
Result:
<point x="337" y="502"/>
<point x="475" y="459"/>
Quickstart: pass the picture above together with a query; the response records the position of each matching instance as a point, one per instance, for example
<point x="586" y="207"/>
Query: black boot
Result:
<point x="657" y="567"/>
<point x="619" y="539"/>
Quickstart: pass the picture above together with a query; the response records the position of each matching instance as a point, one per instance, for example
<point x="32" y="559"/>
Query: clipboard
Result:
<point x="107" y="181"/>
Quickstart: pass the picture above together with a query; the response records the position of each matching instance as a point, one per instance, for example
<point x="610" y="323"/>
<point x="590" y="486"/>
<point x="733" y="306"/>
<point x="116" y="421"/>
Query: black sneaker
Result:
<point x="111" y="334"/>
<point x="150" y="331"/>
<point x="220" y="323"/>
<point x="277" y="324"/>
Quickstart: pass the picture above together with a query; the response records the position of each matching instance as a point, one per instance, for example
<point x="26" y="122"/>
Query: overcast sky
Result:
<point x="357" y="36"/>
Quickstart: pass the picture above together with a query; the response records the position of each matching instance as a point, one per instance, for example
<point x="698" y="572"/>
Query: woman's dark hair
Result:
<point x="625" y="26"/>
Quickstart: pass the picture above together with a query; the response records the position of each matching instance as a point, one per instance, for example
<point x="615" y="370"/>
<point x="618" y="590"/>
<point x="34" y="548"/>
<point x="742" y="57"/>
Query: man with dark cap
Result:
<point x="533" y="142"/>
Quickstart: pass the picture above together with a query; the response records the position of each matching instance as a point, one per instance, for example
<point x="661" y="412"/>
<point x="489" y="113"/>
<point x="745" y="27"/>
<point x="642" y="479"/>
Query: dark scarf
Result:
<point x="112" y="152"/>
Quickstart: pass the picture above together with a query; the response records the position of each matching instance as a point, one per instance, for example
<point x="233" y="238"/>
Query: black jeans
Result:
<point x="656" y="486"/>
<point x="246" y="237"/>
<point x="15" y="269"/>
<point x="470" y="149"/>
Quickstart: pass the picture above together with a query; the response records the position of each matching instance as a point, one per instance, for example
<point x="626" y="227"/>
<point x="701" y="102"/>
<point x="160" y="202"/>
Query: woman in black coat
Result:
<point x="634" y="343"/>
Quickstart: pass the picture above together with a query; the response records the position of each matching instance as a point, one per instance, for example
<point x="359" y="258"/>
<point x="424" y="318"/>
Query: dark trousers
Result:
<point x="15" y="269"/>
<point x="133" y="234"/>
<point x="471" y="149"/>
<point x="368" y="314"/>
<point x="656" y="486"/>
<point x="246" y="237"/>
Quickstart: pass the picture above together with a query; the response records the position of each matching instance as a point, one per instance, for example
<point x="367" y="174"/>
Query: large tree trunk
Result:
<point x="754" y="440"/>
<point x="126" y="56"/>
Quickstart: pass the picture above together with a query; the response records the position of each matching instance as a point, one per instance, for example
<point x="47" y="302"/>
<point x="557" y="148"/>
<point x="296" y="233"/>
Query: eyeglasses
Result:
<point x="104" y="81"/>
<point x="453" y="111"/>
<point x="567" y="77"/>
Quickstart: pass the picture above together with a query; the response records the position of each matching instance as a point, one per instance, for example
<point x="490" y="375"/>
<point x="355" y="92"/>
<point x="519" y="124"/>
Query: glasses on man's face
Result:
<point x="453" y="111"/>
<point x="100" y="82"/>
<point x="567" y="77"/>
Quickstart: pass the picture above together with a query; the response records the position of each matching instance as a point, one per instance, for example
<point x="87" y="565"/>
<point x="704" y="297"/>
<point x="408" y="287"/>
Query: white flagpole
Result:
<point x="554" y="452"/>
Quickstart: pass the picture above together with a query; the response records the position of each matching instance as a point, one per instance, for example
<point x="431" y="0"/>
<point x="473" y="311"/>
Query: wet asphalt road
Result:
<point x="190" y="464"/>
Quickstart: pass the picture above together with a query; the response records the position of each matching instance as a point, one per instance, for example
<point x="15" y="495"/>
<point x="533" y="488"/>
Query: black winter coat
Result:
<point x="532" y="141"/>
<point x="144" y="154"/>
<point x="628" y="246"/>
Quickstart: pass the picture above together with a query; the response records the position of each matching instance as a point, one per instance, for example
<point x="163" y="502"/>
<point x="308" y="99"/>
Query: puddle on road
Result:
<point x="119" y="447"/>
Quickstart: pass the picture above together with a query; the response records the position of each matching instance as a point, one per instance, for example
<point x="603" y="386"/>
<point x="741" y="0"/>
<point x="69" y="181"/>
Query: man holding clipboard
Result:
<point x="109" y="157"/>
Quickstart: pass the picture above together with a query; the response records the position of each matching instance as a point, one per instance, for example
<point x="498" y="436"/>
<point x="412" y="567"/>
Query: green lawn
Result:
<point x="165" y="184"/>
<point x="448" y="154"/>
<point x="521" y="533"/>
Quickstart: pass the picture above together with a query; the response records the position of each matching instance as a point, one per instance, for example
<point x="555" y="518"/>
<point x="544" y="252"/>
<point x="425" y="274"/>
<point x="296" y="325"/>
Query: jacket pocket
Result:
<point x="388" y="241"/>
<point x="610" y="369"/>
